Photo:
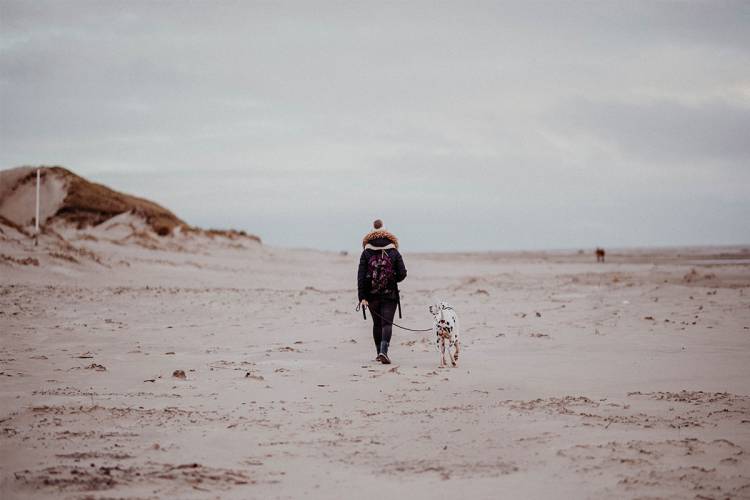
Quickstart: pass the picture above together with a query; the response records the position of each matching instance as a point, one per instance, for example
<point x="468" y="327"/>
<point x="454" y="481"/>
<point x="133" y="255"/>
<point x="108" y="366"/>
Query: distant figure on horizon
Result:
<point x="600" y="254"/>
<point x="381" y="268"/>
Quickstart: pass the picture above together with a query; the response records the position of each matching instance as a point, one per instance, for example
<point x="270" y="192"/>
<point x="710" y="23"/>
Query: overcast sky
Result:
<point x="464" y="125"/>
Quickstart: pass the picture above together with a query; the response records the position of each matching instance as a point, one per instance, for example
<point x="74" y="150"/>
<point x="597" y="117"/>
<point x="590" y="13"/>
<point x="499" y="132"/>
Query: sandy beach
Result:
<point x="187" y="187"/>
<point x="628" y="379"/>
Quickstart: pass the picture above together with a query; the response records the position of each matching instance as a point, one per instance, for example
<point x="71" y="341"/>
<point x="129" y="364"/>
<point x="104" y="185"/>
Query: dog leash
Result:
<point x="390" y="322"/>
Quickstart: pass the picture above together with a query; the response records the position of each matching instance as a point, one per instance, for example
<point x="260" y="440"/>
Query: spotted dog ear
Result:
<point x="432" y="309"/>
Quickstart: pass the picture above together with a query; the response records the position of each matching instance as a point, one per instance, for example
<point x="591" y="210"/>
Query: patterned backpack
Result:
<point x="380" y="272"/>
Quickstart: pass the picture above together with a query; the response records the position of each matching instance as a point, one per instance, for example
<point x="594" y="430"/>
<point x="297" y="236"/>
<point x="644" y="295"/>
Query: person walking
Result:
<point x="381" y="268"/>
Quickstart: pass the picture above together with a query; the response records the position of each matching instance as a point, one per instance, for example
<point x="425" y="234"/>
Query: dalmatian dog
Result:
<point x="445" y="326"/>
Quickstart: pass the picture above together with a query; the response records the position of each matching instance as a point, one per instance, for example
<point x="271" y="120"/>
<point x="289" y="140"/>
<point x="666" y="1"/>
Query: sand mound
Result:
<point x="83" y="223"/>
<point x="70" y="201"/>
<point x="72" y="198"/>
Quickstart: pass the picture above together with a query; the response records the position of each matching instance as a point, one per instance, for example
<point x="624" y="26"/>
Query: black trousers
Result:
<point x="382" y="312"/>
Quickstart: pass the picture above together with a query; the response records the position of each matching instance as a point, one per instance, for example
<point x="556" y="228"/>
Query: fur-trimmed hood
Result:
<point x="379" y="233"/>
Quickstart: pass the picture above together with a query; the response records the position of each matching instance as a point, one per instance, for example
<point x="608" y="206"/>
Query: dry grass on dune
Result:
<point x="7" y="222"/>
<point x="230" y="234"/>
<point x="89" y="204"/>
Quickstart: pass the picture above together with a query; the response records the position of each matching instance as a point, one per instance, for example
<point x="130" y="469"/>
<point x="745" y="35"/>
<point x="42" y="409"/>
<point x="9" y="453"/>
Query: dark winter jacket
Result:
<point x="374" y="242"/>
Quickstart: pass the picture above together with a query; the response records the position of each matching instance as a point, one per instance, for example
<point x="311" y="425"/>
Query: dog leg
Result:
<point x="452" y="358"/>
<point x="458" y="350"/>
<point x="442" y="353"/>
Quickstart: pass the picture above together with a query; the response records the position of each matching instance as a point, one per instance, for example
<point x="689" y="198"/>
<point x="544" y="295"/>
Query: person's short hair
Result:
<point x="377" y="224"/>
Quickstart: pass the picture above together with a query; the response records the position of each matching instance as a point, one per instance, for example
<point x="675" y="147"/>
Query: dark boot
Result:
<point x="383" y="355"/>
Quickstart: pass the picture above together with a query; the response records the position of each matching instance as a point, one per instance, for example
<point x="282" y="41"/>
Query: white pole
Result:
<point x="38" y="181"/>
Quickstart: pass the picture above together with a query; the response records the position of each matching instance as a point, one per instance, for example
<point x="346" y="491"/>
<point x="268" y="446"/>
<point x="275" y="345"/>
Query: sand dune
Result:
<point x="69" y="197"/>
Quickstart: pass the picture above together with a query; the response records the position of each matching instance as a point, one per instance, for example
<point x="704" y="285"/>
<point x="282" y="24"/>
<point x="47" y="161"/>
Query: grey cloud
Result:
<point x="515" y="123"/>
<point x="713" y="131"/>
